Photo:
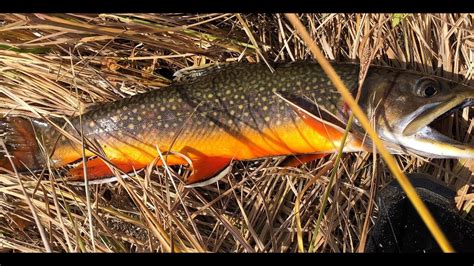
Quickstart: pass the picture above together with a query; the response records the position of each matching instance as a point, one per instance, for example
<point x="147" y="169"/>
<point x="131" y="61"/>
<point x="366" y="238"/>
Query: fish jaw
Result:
<point x="430" y="143"/>
<point x="418" y="136"/>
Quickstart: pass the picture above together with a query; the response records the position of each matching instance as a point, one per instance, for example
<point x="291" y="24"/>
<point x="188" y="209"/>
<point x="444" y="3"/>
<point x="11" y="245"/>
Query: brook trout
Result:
<point x="243" y="112"/>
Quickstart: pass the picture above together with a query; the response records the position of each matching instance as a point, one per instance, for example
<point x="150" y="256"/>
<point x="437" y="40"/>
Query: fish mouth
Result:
<point x="429" y="113"/>
<point x="421" y="137"/>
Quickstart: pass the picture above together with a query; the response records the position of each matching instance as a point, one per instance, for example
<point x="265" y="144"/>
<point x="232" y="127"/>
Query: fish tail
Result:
<point x="22" y="150"/>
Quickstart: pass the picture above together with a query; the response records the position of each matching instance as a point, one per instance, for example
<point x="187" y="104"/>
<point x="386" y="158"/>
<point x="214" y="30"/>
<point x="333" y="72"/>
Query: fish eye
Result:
<point x="427" y="88"/>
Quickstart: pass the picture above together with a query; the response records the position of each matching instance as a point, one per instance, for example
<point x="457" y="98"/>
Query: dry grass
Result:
<point x="56" y="65"/>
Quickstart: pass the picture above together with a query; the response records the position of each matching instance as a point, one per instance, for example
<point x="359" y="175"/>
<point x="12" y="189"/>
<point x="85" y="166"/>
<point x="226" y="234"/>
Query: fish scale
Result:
<point x="217" y="103"/>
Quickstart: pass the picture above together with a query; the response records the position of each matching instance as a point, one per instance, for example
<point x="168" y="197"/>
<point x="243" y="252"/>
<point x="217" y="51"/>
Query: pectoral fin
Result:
<point x="324" y="122"/>
<point x="312" y="112"/>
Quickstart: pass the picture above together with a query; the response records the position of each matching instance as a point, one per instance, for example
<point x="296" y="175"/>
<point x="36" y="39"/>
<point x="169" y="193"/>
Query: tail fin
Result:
<point x="18" y="135"/>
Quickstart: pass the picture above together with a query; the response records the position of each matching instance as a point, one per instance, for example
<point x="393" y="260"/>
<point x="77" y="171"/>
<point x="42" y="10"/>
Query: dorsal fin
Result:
<point x="191" y="74"/>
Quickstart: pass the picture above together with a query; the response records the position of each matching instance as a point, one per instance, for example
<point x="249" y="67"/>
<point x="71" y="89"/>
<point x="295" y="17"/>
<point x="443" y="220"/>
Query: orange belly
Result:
<point x="211" y="151"/>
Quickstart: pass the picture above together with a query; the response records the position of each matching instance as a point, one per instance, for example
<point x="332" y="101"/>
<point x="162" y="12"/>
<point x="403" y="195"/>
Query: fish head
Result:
<point x="402" y="106"/>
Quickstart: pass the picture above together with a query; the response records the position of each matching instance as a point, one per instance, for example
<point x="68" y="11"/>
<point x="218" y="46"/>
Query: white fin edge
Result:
<point x="211" y="180"/>
<point x="311" y="114"/>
